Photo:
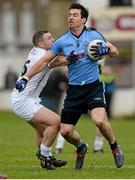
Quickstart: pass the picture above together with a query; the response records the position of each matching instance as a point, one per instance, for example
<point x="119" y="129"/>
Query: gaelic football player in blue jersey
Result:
<point x="85" y="92"/>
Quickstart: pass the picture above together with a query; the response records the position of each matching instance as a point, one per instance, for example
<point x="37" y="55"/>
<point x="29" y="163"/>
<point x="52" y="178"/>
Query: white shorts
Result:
<point x="25" y="107"/>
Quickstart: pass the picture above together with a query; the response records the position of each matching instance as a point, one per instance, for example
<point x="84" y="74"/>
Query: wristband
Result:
<point x="49" y="65"/>
<point x="24" y="78"/>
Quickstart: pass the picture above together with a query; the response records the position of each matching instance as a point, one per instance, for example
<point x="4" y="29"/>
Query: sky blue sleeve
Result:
<point x="56" y="47"/>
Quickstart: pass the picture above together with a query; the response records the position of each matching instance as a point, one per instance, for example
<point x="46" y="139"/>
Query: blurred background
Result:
<point x="20" y="19"/>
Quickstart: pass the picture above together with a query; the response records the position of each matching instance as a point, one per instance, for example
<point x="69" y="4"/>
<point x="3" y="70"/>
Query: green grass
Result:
<point x="18" y="161"/>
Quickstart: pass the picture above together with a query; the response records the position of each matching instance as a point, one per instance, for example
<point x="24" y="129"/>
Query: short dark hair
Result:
<point x="37" y="37"/>
<point x="84" y="11"/>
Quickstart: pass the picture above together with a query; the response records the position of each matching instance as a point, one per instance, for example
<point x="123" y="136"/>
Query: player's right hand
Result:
<point x="21" y="83"/>
<point x="100" y="50"/>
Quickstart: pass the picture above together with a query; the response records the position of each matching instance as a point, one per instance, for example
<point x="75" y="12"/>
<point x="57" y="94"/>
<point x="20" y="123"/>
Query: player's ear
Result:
<point x="84" y="20"/>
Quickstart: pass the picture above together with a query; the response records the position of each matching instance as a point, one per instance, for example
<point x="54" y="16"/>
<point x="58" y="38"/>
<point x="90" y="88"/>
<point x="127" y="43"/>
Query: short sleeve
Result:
<point x="56" y="47"/>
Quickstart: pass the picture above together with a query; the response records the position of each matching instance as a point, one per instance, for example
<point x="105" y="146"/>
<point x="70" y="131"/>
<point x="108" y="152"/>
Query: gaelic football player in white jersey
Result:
<point x="26" y="104"/>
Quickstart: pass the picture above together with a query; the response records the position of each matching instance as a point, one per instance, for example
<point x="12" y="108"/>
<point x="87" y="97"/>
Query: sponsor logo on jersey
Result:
<point x="69" y="45"/>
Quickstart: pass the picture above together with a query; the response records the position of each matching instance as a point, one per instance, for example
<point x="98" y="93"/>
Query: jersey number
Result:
<point x="24" y="70"/>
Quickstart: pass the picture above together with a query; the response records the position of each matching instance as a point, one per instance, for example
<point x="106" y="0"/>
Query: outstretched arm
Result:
<point x="48" y="60"/>
<point x="60" y="60"/>
<point x="39" y="65"/>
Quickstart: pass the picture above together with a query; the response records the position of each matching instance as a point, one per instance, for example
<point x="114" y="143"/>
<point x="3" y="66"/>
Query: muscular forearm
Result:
<point x="37" y="67"/>
<point x="113" y="50"/>
<point x="58" y="61"/>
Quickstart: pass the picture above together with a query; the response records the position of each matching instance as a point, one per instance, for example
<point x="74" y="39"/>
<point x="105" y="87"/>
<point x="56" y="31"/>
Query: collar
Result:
<point x="79" y="34"/>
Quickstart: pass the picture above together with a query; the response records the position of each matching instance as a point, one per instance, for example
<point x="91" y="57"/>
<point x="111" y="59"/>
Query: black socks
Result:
<point x="114" y="145"/>
<point x="81" y="146"/>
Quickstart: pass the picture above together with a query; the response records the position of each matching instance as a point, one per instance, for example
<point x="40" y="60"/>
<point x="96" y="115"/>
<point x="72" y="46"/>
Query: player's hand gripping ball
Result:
<point x="97" y="50"/>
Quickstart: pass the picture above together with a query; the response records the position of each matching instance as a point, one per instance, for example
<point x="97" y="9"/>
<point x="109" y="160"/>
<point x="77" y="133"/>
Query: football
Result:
<point x="90" y="53"/>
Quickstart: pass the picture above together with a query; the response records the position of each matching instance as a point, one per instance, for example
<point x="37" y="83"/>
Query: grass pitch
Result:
<point x="18" y="161"/>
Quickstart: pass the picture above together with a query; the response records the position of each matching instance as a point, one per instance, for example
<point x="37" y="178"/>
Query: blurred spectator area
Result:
<point x="19" y="20"/>
<point x="123" y="64"/>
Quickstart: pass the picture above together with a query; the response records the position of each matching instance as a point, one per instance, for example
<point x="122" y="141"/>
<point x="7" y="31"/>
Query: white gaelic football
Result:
<point x="94" y="43"/>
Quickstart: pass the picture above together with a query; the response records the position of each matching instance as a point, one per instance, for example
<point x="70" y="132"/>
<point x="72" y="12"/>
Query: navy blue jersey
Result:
<point x="84" y="70"/>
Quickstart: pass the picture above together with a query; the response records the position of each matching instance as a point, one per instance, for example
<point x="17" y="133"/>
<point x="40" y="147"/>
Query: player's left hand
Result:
<point x="100" y="50"/>
<point x="72" y="58"/>
<point x="21" y="83"/>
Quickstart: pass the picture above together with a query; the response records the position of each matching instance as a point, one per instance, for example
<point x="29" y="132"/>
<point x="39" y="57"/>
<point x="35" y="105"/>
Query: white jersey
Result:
<point x="37" y="82"/>
<point x="26" y="103"/>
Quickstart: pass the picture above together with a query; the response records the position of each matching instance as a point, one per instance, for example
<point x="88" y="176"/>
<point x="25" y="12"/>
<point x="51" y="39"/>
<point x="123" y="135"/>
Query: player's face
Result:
<point x="74" y="18"/>
<point x="47" y="41"/>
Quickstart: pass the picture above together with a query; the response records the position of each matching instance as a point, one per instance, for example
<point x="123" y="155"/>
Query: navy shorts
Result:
<point x="80" y="99"/>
